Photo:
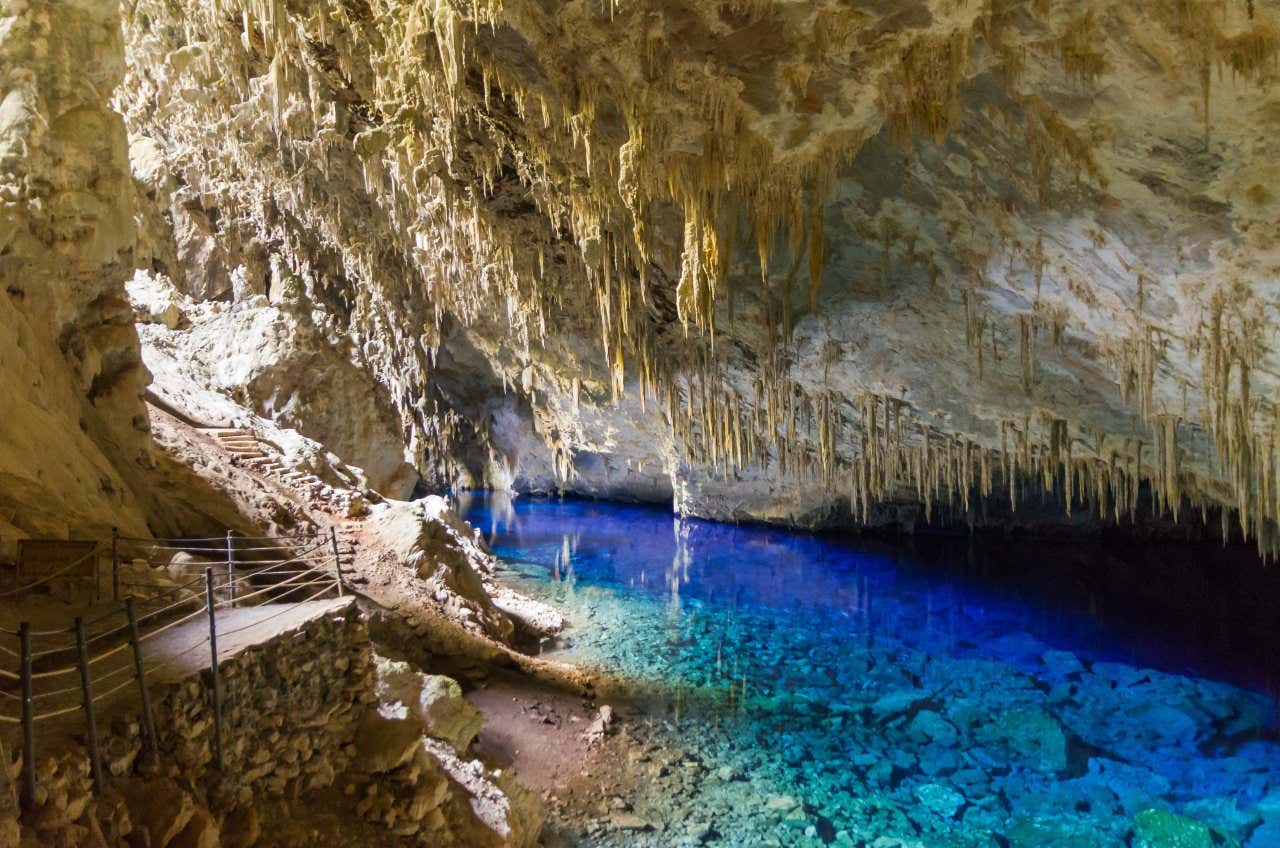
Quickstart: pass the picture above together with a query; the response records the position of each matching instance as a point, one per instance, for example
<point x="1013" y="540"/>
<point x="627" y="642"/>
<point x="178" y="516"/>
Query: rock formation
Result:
<point x="794" y="262"/>
<point x="74" y="440"/>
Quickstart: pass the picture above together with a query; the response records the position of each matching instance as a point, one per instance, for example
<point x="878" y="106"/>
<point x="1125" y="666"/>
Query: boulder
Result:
<point x="1030" y="737"/>
<point x="201" y="831"/>
<point x="1266" y="836"/>
<point x="446" y="713"/>
<point x="1155" y="828"/>
<point x="160" y="807"/>
<point x="383" y="744"/>
<point x="435" y="701"/>
<point x="425" y="548"/>
<point x="940" y="799"/>
<point x="1054" y="832"/>
<point x="241" y="828"/>
<point x="488" y="808"/>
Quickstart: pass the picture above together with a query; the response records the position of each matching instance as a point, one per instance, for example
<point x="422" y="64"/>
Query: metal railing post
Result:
<point x="148" y="720"/>
<point x="28" y="722"/>
<point x="231" y="569"/>
<point x="213" y="668"/>
<point x="91" y="727"/>
<point x="115" y="564"/>
<point x="337" y="560"/>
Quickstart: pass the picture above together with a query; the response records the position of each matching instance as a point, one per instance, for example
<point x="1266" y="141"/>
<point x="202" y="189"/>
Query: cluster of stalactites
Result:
<point x="422" y="62"/>
<point x="879" y="450"/>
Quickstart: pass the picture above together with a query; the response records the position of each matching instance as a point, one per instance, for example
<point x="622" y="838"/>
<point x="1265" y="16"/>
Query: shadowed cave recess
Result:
<point x="730" y="422"/>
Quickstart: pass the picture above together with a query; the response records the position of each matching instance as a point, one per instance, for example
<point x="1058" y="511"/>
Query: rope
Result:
<point x="120" y="669"/>
<point x="182" y="603"/>
<point x="47" y="578"/>
<point x="90" y="640"/>
<point x="275" y="569"/>
<point x="107" y="694"/>
<point x="242" y="550"/>
<point x="117" y="649"/>
<point x="285" y="585"/>
<point x="10" y="719"/>
<point x="167" y="540"/>
<point x="161" y="541"/>
<point x="171" y="590"/>
<point x="57" y="672"/>
<point x="61" y="712"/>
<point x="108" y="614"/>
<point x="47" y="652"/>
<point x="255" y="567"/>
<point x="50" y="632"/>
<point x="53" y="694"/>
<point x="288" y="608"/>
<point x="173" y="623"/>
<point x="4" y="672"/>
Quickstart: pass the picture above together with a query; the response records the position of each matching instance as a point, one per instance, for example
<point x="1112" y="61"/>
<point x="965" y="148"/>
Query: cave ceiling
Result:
<point x="944" y="251"/>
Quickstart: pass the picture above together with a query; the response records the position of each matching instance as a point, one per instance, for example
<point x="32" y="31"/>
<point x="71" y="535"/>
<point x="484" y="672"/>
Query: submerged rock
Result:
<point x="1057" y="831"/>
<point x="940" y="799"/>
<point x="1155" y="828"/>
<point x="1030" y="737"/>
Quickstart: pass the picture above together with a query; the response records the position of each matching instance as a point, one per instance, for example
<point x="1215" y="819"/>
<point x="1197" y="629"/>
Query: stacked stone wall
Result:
<point x="290" y="710"/>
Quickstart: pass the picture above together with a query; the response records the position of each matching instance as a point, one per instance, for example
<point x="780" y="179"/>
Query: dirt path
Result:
<point x="542" y="733"/>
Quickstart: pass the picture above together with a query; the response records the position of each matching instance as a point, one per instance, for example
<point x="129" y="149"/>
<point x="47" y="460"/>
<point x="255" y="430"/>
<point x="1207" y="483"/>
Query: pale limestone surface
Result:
<point x="702" y="252"/>
<point x="73" y="443"/>
<point x="513" y="211"/>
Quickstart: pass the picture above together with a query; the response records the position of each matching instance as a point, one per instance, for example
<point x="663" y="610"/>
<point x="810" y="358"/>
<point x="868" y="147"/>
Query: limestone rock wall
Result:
<point x="771" y="260"/>
<point x="284" y="361"/>
<point x="768" y="260"/>
<point x="74" y="442"/>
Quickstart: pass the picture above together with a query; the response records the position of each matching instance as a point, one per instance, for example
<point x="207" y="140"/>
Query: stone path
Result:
<point x="252" y="453"/>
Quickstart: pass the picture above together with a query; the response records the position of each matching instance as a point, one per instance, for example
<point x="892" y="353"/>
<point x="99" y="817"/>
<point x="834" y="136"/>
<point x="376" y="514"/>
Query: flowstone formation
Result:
<point x="775" y="260"/>
<point x="73" y="443"/>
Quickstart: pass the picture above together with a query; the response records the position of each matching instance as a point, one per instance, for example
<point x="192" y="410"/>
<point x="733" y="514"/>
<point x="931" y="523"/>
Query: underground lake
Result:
<point x="828" y="691"/>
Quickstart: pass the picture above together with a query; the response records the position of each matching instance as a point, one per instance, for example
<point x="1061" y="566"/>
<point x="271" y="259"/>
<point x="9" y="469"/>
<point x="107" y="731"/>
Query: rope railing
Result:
<point x="304" y="570"/>
<point x="26" y="587"/>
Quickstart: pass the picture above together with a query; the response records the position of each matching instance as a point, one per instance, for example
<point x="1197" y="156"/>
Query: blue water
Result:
<point x="827" y="693"/>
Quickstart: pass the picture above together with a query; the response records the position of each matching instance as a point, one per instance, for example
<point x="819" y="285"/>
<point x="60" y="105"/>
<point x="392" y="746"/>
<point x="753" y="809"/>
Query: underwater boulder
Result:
<point x="1031" y="737"/>
<point x="1155" y="828"/>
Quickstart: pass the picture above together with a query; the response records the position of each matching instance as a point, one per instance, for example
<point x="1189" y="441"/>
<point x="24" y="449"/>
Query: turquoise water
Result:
<point x="819" y="692"/>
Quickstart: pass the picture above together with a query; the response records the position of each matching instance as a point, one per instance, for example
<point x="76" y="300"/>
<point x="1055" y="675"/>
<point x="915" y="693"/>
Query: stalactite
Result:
<point x="606" y="232"/>
<point x="1027" y="330"/>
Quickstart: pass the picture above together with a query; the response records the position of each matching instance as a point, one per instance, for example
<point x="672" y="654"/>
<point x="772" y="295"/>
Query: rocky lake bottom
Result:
<point x="793" y="690"/>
